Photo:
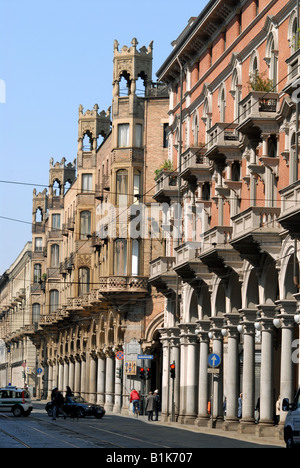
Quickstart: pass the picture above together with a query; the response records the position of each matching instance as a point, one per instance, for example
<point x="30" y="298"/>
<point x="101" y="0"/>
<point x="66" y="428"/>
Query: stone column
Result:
<point x="60" y="375"/>
<point x="109" y="380"/>
<point x="190" y="362"/>
<point x="71" y="372"/>
<point x="165" y="374"/>
<point x="77" y="376"/>
<point x="215" y="332"/>
<point x="118" y="388"/>
<point x="175" y="357"/>
<point x="266" y="372"/>
<point x="287" y="323"/>
<point x="101" y="378"/>
<point x="203" y="417"/>
<point x="296" y="346"/>
<point x="232" y="384"/>
<point x="83" y="387"/>
<point x="93" y="379"/>
<point x="66" y="373"/>
<point x="249" y="316"/>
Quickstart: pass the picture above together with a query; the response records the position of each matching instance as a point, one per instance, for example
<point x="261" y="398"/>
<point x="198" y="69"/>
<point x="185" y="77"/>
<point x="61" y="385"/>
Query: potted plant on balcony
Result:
<point x="167" y="166"/>
<point x="259" y="82"/>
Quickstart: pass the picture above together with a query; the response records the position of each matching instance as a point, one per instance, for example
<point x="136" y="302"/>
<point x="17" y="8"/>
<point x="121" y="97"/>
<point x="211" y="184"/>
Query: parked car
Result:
<point x="78" y="407"/>
<point x="15" y="400"/>
<point x="292" y="422"/>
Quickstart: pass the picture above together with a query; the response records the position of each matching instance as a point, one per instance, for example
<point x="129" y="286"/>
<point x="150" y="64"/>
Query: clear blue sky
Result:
<point x="55" y="55"/>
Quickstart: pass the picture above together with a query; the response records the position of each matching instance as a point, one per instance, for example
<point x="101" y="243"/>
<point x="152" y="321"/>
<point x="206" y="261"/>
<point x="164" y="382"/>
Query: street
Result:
<point x="112" y="433"/>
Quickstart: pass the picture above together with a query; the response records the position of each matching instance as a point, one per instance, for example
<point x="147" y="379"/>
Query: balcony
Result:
<point x="166" y="187"/>
<point x="111" y="285"/>
<point x="223" y="142"/>
<point x="194" y="166"/>
<point x="188" y="265"/>
<point x="162" y="274"/>
<point x="257" y="110"/>
<point x="256" y="230"/>
<point x="217" y="253"/>
<point x="290" y="209"/>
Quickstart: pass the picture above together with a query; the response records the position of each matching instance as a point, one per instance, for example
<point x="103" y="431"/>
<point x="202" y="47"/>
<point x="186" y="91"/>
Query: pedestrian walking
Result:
<point x="57" y="404"/>
<point x="69" y="393"/>
<point x="157" y="407"/>
<point x="135" y="400"/>
<point x="150" y="405"/>
<point x="240" y="406"/>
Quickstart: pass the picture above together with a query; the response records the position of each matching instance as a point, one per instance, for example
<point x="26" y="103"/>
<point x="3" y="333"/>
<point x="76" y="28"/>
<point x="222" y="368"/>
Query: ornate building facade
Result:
<point x="89" y="277"/>
<point x="203" y="259"/>
<point x="232" y="77"/>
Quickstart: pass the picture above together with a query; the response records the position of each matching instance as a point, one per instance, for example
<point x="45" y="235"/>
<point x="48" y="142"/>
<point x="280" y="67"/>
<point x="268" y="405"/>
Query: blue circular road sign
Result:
<point x="214" y="360"/>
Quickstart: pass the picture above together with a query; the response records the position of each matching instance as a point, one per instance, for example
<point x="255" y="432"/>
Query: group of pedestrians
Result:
<point x="152" y="406"/>
<point x="58" y="402"/>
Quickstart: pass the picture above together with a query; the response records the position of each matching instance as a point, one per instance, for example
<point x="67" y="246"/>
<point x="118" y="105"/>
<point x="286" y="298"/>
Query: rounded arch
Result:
<point x="292" y="32"/>
<point x="151" y="330"/>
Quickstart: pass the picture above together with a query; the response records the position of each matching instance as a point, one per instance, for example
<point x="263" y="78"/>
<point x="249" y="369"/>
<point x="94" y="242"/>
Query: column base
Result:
<point x="202" y="421"/>
<point x="230" y="425"/>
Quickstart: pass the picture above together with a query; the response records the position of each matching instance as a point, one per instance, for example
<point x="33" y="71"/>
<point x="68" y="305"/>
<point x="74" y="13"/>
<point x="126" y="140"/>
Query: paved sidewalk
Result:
<point x="272" y="439"/>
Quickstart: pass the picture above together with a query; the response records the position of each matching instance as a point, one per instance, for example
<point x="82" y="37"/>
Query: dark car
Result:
<point x="77" y="407"/>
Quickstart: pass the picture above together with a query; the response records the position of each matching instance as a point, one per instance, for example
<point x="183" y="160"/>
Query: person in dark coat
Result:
<point x="57" y="404"/>
<point x="157" y="404"/>
<point x="150" y="405"/>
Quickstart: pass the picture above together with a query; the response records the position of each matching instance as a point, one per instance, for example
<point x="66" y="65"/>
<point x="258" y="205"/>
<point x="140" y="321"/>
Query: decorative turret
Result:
<point x="91" y="124"/>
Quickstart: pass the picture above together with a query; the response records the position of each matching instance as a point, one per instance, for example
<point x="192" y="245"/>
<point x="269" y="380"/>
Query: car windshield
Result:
<point x="77" y="399"/>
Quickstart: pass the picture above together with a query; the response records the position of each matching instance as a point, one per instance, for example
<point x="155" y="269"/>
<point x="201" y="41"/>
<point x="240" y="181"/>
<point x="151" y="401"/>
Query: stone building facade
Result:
<point x="89" y="274"/>
<point x="231" y="278"/>
<point x="18" y="357"/>
<point x="203" y="259"/>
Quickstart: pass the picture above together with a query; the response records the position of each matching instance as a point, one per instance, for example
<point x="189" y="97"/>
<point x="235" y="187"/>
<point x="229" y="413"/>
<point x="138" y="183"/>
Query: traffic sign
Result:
<point x="214" y="360"/>
<point x="39" y="370"/>
<point x="120" y="355"/>
<point x="145" y="356"/>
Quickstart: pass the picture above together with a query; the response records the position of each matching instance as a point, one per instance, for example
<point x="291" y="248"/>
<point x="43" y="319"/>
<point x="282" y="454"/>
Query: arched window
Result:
<point x="135" y="257"/>
<point x="122" y="187"/>
<point x="272" y="60"/>
<point x="222" y="104"/>
<point x="84" y="281"/>
<point x="85" y="224"/>
<point x="54" y="300"/>
<point x="272" y="146"/>
<point x="195" y="129"/>
<point x="54" y="261"/>
<point x="120" y="257"/>
<point x="137" y="188"/>
<point x="36" y="312"/>
<point x="37" y="273"/>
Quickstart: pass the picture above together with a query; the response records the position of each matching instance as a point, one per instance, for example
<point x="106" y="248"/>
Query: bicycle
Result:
<point x="136" y="409"/>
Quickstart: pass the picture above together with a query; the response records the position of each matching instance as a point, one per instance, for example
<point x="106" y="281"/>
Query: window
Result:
<point x="56" y="221"/>
<point x="120" y="257"/>
<point x="54" y="261"/>
<point x="87" y="182"/>
<point x="138" y="135"/>
<point x="136" y="186"/>
<point x="123" y="135"/>
<point x="165" y="137"/>
<point x="85" y="224"/>
<point x="38" y="244"/>
<point x="84" y="281"/>
<point x="54" y="300"/>
<point x="122" y="187"/>
<point x="135" y="258"/>
<point x="36" y="312"/>
<point x="37" y="273"/>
